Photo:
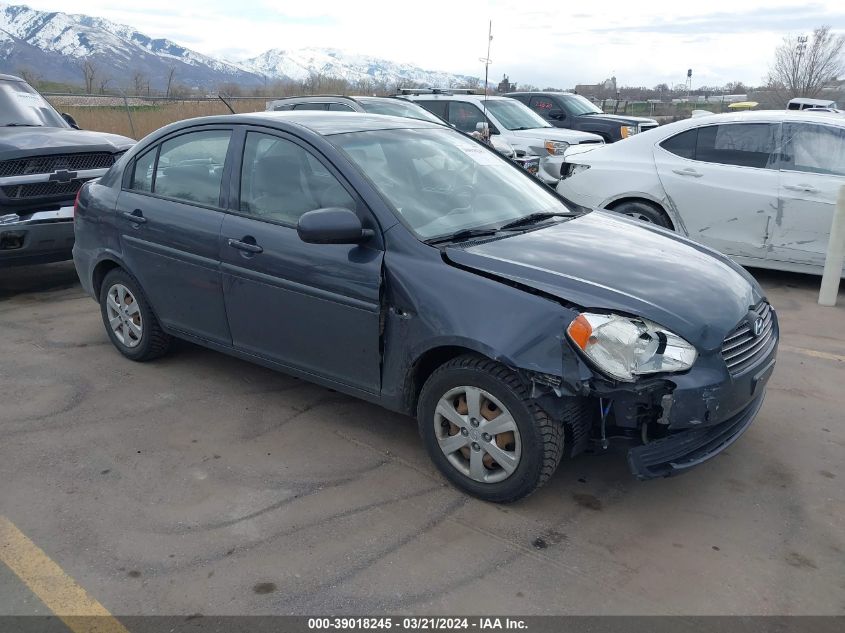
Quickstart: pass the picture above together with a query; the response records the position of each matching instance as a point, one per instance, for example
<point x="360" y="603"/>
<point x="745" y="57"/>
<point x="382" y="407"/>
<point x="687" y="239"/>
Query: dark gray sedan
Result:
<point x="408" y="265"/>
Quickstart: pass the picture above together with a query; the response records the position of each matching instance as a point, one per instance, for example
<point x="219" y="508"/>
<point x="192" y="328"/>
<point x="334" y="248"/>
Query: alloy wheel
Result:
<point x="124" y="315"/>
<point x="477" y="434"/>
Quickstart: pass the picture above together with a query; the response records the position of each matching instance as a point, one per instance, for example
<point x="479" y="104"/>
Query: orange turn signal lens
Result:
<point x="580" y="331"/>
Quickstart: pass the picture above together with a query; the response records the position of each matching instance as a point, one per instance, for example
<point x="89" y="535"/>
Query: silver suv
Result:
<point x="527" y="132"/>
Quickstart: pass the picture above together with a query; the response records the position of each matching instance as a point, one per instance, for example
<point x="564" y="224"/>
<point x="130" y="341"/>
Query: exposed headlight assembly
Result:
<point x="625" y="348"/>
<point x="556" y="148"/>
<point x="628" y="130"/>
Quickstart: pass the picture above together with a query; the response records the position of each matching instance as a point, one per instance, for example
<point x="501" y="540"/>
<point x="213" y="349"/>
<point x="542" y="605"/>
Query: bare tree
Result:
<point x="140" y="83"/>
<point x="804" y="67"/>
<point x="170" y="75"/>
<point x="30" y="76"/>
<point x="104" y="82"/>
<point x="89" y="74"/>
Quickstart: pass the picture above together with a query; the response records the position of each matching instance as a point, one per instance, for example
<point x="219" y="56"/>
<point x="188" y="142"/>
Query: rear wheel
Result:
<point x="129" y="320"/>
<point x="644" y="212"/>
<point x="483" y="431"/>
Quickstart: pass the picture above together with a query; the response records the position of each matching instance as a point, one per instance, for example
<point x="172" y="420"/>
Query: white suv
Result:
<point x="527" y="132"/>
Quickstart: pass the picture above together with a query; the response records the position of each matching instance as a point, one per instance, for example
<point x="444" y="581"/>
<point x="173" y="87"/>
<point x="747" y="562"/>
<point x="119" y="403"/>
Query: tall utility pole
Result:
<point x="487" y="61"/>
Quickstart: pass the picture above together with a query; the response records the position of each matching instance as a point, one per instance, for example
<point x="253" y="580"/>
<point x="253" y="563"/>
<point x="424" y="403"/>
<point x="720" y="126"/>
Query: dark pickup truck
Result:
<point x="563" y="109"/>
<point x="44" y="160"/>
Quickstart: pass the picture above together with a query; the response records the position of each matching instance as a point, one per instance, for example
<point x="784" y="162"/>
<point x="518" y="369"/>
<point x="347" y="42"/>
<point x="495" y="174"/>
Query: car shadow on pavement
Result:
<point x="29" y="279"/>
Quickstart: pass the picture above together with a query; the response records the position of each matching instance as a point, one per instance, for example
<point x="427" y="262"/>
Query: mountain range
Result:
<point x="54" y="46"/>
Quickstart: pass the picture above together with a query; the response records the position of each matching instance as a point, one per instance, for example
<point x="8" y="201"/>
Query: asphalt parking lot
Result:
<point x="202" y="484"/>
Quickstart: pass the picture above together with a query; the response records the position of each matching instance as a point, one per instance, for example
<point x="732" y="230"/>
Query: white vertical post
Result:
<point x="835" y="254"/>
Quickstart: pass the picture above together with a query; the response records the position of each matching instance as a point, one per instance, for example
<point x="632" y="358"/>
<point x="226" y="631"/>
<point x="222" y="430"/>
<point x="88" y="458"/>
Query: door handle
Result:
<point x="802" y="187"/>
<point x="247" y="247"/>
<point x="136" y="217"/>
<point x="688" y="172"/>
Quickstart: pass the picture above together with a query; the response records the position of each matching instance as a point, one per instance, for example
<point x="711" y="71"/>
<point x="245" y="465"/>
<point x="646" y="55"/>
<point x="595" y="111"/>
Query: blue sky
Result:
<point x="541" y="42"/>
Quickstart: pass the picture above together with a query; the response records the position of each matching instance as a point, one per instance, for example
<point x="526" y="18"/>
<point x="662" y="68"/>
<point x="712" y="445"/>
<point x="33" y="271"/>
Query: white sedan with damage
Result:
<point x="758" y="186"/>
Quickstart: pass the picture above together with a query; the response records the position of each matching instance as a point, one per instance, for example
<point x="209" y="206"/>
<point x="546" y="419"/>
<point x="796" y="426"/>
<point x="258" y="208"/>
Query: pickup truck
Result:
<point x="567" y="110"/>
<point x="44" y="160"/>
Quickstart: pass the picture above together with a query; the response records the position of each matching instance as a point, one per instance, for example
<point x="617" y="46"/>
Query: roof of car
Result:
<point x="326" y="123"/>
<point x="550" y="93"/>
<point x="437" y="96"/>
<point x="770" y="115"/>
<point x="9" y="78"/>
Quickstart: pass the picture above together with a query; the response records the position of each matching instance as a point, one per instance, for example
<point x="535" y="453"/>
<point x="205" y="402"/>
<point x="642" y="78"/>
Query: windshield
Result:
<point x="20" y="104"/>
<point x="577" y="105"/>
<point x="440" y="182"/>
<point x="396" y="107"/>
<point x="514" y="115"/>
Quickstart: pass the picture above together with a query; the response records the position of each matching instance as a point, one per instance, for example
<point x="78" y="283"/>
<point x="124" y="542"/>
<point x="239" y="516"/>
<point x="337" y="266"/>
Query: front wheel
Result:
<point x="483" y="431"/>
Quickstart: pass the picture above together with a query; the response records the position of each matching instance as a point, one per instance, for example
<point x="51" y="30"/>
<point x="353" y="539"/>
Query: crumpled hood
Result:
<point x="29" y="141"/>
<point x="606" y="262"/>
<point x="556" y="134"/>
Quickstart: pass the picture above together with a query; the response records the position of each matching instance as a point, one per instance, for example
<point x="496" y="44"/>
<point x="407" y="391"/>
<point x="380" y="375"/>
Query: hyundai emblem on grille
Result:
<point x="758" y="326"/>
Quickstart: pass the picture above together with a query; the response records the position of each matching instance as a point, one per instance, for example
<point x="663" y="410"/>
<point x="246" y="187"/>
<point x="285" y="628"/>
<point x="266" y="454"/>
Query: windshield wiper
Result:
<point x="463" y="235"/>
<point x="22" y="125"/>
<point x="532" y="219"/>
<point x="534" y="127"/>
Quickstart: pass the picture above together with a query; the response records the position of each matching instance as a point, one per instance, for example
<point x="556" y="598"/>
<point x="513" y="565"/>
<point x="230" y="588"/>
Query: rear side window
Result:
<point x="813" y="148"/>
<point x="742" y="144"/>
<point x="340" y="107"/>
<point x="310" y="106"/>
<point x="142" y="176"/>
<point x="190" y="166"/>
<point x="682" y="144"/>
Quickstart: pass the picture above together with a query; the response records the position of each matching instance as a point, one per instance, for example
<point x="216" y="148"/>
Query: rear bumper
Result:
<point x="43" y="237"/>
<point x="681" y="451"/>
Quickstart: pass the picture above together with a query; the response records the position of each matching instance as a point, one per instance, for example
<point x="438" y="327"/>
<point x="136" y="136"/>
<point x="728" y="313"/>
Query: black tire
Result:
<point x="542" y="439"/>
<point x="644" y="212"/>
<point x="153" y="341"/>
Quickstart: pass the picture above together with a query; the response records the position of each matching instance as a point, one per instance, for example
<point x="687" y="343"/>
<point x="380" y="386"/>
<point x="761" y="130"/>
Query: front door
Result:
<point x="812" y="172"/>
<point x="722" y="182"/>
<point x="170" y="215"/>
<point x="311" y="307"/>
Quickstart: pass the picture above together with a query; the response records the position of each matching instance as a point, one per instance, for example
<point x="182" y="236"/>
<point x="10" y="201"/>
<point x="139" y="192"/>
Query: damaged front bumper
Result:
<point x="37" y="237"/>
<point x="681" y="451"/>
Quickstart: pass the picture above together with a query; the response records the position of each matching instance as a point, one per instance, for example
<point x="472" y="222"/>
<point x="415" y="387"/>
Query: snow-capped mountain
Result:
<point x="300" y="64"/>
<point x="54" y="46"/>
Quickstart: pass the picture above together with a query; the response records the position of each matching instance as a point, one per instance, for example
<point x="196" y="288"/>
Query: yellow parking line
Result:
<point x="61" y="593"/>
<point x="813" y="352"/>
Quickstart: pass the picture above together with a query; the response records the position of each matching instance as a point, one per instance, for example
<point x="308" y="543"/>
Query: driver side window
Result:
<point x="465" y="116"/>
<point x="280" y="181"/>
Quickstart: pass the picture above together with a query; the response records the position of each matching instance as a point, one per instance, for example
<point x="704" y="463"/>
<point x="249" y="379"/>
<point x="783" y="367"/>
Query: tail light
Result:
<point x="76" y="201"/>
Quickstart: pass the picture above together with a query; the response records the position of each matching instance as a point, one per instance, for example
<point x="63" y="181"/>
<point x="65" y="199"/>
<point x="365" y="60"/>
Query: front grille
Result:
<point x="741" y="348"/>
<point x="43" y="189"/>
<point x="49" y="164"/>
<point x="647" y="126"/>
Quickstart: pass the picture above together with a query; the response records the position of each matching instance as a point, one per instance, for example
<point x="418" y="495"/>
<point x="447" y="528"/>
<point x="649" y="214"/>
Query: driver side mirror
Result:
<point x="70" y="120"/>
<point x="557" y="115"/>
<point x="333" y="225"/>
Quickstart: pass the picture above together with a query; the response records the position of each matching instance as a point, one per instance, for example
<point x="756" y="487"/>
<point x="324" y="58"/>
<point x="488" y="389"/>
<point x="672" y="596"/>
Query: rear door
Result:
<point x="723" y="182"/>
<point x="170" y="213"/>
<point x="311" y="307"/>
<point x="812" y="172"/>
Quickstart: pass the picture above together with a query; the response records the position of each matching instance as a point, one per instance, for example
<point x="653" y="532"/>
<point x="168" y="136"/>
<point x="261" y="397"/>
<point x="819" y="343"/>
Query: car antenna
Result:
<point x="226" y="103"/>
<point x="487" y="61"/>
